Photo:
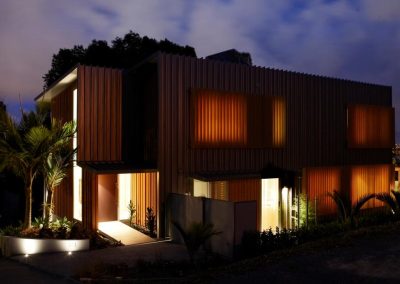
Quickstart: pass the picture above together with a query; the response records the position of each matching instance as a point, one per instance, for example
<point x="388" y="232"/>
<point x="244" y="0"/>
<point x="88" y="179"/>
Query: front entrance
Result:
<point x="274" y="202"/>
<point x="107" y="198"/>
<point x="276" y="205"/>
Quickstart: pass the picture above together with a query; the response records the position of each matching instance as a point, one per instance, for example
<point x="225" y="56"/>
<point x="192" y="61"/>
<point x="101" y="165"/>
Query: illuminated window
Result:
<point x="370" y="126"/>
<point x="370" y="179"/>
<point x="77" y="170"/>
<point x="222" y="119"/>
<point x="319" y="182"/>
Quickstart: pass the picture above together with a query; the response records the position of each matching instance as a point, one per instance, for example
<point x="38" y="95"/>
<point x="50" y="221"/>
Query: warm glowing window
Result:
<point x="221" y="119"/>
<point x="319" y="182"/>
<point x="370" y="179"/>
<point x="370" y="126"/>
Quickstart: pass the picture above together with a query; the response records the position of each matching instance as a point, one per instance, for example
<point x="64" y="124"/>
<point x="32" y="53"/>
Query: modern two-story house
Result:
<point x="178" y="128"/>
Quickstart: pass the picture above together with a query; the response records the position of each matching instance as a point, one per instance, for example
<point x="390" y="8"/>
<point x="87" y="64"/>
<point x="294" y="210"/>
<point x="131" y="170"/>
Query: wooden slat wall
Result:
<point x="99" y="114"/>
<point x="246" y="190"/>
<point x="144" y="194"/>
<point x="89" y="199"/>
<point x="61" y="109"/>
<point x="316" y="120"/>
<point x="237" y="120"/>
<point x="318" y="182"/>
<point x="220" y="119"/>
<point x="370" y="126"/>
<point x="370" y="179"/>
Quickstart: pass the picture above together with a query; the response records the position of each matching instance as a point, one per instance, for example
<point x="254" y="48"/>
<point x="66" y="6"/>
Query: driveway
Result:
<point x="366" y="260"/>
<point x="14" y="273"/>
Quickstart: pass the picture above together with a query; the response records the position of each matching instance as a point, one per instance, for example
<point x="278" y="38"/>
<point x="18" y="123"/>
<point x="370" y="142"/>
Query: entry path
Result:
<point x="123" y="233"/>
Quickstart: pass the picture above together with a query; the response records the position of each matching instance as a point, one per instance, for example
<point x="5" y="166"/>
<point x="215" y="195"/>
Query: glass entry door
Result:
<point x="276" y="205"/>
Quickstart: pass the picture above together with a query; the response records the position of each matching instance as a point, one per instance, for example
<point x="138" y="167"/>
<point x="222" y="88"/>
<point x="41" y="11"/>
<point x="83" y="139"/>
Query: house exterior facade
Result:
<point x="175" y="125"/>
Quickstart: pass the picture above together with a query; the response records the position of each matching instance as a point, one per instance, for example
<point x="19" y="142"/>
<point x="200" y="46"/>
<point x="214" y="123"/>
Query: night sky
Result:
<point x="357" y="40"/>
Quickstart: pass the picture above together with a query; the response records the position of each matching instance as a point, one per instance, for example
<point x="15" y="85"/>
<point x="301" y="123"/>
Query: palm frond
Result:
<point x="340" y="204"/>
<point x="388" y="200"/>
<point x="396" y="195"/>
<point x="360" y="203"/>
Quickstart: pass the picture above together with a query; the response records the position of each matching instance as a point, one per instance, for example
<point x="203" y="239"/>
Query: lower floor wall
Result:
<point x="353" y="182"/>
<point x="145" y="192"/>
<point x="231" y="219"/>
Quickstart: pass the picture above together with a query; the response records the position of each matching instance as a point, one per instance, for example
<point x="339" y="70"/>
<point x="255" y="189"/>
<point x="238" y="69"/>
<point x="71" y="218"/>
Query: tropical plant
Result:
<point x="307" y="211"/>
<point x="150" y="221"/>
<point x="346" y="211"/>
<point x="391" y="200"/>
<point x="195" y="236"/>
<point x="25" y="148"/>
<point x="56" y="166"/>
<point x="132" y="212"/>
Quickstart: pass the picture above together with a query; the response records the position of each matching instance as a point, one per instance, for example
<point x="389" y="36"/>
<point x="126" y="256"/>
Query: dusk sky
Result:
<point x="357" y="40"/>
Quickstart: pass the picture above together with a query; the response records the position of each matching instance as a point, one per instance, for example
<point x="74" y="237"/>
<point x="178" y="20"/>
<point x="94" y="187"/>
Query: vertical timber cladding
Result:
<point x="99" y="114"/>
<point x="351" y="181"/>
<point x="221" y="119"/>
<point x="370" y="126"/>
<point x="61" y="110"/>
<point x="316" y="119"/>
<point x="144" y="194"/>
<point x="89" y="199"/>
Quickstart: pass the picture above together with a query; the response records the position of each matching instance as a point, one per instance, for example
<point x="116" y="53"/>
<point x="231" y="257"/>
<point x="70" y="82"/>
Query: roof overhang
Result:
<point x="58" y="86"/>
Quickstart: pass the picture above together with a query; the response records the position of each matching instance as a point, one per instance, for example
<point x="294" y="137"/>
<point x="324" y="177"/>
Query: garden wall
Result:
<point x="229" y="218"/>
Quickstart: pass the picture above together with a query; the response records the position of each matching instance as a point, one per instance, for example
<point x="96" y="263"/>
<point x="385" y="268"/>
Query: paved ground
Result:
<point x="14" y="273"/>
<point x="68" y="266"/>
<point x="366" y="260"/>
<point x="369" y="260"/>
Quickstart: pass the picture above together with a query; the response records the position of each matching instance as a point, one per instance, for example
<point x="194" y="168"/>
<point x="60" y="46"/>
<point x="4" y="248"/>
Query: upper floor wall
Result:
<point x="116" y="122"/>
<point x="187" y="116"/>
<point x="314" y="118"/>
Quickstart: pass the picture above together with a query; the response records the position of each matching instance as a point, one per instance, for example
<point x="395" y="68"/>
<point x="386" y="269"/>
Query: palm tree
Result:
<point x="391" y="200"/>
<point x="54" y="171"/>
<point x="346" y="211"/>
<point x="195" y="236"/>
<point x="24" y="149"/>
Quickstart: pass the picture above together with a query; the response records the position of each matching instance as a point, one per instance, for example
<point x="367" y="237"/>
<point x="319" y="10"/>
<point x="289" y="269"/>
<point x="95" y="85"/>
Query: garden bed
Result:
<point x="15" y="245"/>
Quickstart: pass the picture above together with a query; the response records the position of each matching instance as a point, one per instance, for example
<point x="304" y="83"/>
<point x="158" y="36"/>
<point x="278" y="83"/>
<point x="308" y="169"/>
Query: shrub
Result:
<point x="150" y="221"/>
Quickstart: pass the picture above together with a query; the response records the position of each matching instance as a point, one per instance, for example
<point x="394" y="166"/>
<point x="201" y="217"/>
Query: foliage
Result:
<point x="61" y="228"/>
<point x="195" y="236"/>
<point x="26" y="147"/>
<point x="151" y="221"/>
<point x="255" y="242"/>
<point x="55" y="167"/>
<point x="123" y="53"/>
<point x="10" y="230"/>
<point x="132" y="212"/>
<point x="347" y="212"/>
<point x="307" y="211"/>
<point x="391" y="200"/>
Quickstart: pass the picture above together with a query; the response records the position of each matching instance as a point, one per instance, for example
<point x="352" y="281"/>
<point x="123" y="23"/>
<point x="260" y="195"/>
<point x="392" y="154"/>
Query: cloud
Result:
<point x="356" y="40"/>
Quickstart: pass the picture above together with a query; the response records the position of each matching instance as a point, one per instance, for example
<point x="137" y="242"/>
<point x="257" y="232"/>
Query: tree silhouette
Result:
<point x="124" y="52"/>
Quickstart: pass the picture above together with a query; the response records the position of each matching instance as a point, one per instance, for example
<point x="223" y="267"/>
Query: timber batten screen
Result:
<point x="370" y="179"/>
<point x="225" y="119"/>
<point x="370" y="126"/>
<point x="318" y="183"/>
<point x="99" y="114"/>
